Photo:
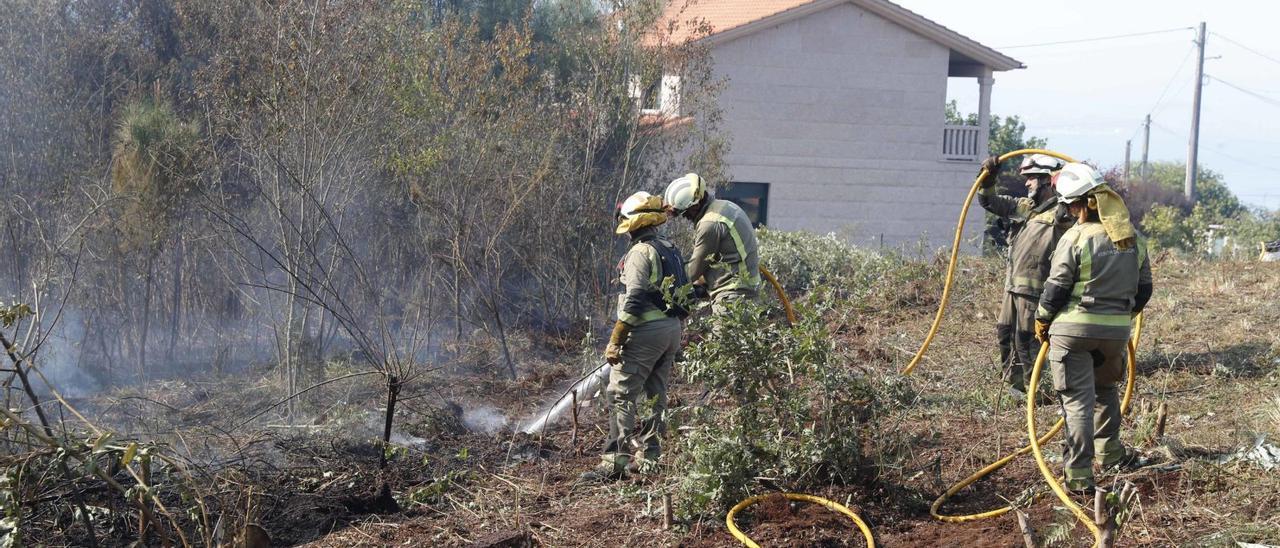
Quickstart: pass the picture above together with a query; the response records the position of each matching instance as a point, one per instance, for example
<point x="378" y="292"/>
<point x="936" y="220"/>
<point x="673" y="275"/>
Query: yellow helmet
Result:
<point x="640" y="210"/>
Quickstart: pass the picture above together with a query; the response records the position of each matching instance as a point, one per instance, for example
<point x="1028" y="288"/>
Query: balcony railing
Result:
<point x="960" y="143"/>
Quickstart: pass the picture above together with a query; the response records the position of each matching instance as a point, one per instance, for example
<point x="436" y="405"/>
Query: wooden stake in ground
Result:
<point x="1161" y="416"/>
<point x="1104" y="518"/>
<point x="1028" y="534"/>
<point x="573" y="441"/>
<point x="666" y="511"/>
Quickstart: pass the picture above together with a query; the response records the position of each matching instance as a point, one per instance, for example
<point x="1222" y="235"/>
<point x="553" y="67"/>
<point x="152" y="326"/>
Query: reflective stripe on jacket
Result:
<point x="1103" y="281"/>
<point x="1033" y="236"/>
<point x="641" y="276"/>
<point x="725" y="249"/>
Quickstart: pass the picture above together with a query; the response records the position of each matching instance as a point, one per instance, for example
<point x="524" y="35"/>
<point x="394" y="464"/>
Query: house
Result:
<point x="835" y="110"/>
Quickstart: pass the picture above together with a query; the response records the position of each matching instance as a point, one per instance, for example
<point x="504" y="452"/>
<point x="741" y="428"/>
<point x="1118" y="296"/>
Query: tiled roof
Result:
<point x="719" y="15"/>
<point x="684" y="20"/>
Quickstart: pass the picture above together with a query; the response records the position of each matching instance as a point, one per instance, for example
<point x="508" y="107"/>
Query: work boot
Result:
<point x="1018" y="395"/>
<point x="611" y="468"/>
<point x="645" y="465"/>
<point x="1132" y="460"/>
<point x="1081" y="487"/>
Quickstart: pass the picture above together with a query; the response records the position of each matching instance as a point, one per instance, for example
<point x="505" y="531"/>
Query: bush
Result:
<point x="1234" y="237"/>
<point x="781" y="408"/>
<point x="803" y="261"/>
<point x="1166" y="228"/>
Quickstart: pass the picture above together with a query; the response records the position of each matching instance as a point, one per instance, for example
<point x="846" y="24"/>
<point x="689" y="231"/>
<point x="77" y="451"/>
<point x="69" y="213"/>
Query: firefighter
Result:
<point x="645" y="339"/>
<point x="725" y="261"/>
<point x="1099" y="280"/>
<point x="1035" y="224"/>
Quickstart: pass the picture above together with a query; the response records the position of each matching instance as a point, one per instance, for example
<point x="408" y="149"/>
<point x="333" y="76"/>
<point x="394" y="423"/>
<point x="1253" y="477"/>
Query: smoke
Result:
<point x="486" y="419"/>
<point x="406" y="440"/>
<point x="59" y="358"/>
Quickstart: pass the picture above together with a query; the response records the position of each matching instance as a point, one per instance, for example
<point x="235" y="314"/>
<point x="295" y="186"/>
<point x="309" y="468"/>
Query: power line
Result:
<point x="1255" y="95"/>
<point x="1247" y="48"/>
<point x="1172" y="79"/>
<point x="1113" y="37"/>
<point x="1216" y="150"/>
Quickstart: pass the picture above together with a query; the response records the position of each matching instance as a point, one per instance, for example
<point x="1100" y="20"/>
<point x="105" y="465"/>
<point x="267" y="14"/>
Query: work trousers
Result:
<point x="721" y="304"/>
<point x="1087" y="373"/>
<point x="642" y="376"/>
<point x="1015" y="329"/>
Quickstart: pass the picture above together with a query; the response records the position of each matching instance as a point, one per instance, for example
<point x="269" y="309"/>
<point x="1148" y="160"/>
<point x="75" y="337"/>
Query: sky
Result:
<point x="1088" y="98"/>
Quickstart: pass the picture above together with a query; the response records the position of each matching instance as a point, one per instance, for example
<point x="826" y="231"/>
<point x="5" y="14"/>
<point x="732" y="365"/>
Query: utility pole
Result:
<point x="1143" y="171"/>
<point x="1127" y="145"/>
<point x="1193" y="147"/>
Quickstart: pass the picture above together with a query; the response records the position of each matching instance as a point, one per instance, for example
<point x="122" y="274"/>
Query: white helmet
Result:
<point x="1076" y="181"/>
<point x="638" y="211"/>
<point x="1037" y="164"/>
<point x="682" y="193"/>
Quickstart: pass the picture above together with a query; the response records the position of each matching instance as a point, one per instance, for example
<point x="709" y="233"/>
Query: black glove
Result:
<point x="700" y="292"/>
<point x="992" y="165"/>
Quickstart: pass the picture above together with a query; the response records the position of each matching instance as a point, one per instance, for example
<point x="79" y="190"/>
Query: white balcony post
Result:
<point x="984" y="112"/>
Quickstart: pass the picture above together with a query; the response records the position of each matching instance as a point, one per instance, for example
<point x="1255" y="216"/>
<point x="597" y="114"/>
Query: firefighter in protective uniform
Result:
<point x="645" y="339"/>
<point x="1036" y="222"/>
<point x="1100" y="278"/>
<point x="725" y="261"/>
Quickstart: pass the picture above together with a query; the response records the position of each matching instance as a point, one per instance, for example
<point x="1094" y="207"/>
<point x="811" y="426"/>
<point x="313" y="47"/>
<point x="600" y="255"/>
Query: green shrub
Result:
<point x="780" y="407"/>
<point x="1166" y="228"/>
<point x="803" y="261"/>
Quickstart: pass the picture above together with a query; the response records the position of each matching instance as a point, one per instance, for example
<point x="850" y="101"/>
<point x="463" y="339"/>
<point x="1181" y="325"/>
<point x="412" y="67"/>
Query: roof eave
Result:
<point x="906" y="18"/>
<point x="919" y="24"/>
<point x="765" y="22"/>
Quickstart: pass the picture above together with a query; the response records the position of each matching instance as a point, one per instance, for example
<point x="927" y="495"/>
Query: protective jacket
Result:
<point x="1094" y="287"/>
<point x="650" y="260"/>
<point x="1033" y="234"/>
<point x="725" y="251"/>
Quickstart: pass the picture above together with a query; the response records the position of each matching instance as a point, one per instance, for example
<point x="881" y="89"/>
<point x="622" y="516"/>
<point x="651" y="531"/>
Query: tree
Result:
<point x="1006" y="135"/>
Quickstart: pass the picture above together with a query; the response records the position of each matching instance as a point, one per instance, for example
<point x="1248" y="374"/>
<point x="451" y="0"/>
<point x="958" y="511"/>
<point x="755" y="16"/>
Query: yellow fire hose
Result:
<point x="955" y="251"/>
<point x="782" y="295"/>
<point x="1033" y="446"/>
<point x="744" y="539"/>
<point x="934" y="509"/>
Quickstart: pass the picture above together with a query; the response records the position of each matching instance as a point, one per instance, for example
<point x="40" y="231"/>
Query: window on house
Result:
<point x="659" y="95"/>
<point x="753" y="198"/>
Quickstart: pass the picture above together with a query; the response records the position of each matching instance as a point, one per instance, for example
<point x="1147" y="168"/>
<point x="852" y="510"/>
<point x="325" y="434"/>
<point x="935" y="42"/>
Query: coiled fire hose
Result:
<point x="733" y="527"/>
<point x="745" y="540"/>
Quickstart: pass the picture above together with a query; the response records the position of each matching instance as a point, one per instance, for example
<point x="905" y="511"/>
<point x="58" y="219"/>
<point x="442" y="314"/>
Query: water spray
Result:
<point x="583" y="390"/>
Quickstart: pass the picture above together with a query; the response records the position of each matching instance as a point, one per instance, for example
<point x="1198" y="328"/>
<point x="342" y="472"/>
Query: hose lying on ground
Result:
<point x="744" y="539"/>
<point x="935" y="508"/>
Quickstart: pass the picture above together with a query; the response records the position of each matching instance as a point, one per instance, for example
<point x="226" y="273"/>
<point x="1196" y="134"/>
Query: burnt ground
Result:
<point x="1210" y="353"/>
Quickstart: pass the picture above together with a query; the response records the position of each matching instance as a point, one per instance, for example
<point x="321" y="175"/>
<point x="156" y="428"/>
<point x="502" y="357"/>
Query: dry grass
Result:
<point x="1210" y="353"/>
